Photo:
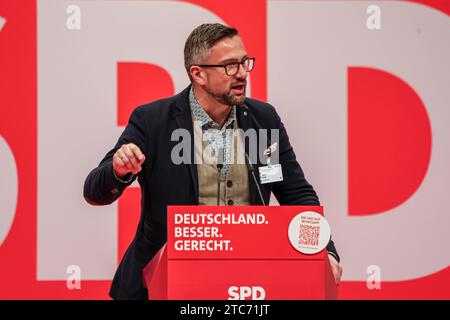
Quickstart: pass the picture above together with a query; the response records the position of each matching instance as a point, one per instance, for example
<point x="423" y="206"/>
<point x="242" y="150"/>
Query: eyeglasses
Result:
<point x="232" y="68"/>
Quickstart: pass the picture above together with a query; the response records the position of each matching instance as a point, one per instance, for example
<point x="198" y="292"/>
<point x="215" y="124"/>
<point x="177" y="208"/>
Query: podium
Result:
<point x="236" y="253"/>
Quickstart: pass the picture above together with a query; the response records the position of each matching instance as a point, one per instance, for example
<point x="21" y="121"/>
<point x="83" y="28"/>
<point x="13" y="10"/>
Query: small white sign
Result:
<point x="309" y="232"/>
<point x="270" y="174"/>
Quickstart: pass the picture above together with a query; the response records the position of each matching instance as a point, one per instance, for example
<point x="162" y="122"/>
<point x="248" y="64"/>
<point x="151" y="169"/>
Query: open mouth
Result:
<point x="239" y="88"/>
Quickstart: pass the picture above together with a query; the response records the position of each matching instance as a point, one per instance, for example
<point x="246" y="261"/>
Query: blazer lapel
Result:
<point x="184" y="120"/>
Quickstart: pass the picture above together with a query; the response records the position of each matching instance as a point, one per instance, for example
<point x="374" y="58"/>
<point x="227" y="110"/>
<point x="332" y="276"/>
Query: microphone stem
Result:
<point x="218" y="187"/>
<point x="257" y="187"/>
<point x="252" y="172"/>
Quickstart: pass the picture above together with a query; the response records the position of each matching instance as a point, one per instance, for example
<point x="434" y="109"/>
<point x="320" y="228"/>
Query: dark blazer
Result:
<point x="164" y="183"/>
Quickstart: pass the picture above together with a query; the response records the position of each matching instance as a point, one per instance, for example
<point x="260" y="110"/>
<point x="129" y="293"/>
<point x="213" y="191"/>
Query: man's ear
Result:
<point x="197" y="75"/>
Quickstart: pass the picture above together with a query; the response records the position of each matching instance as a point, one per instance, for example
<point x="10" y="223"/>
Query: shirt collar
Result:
<point x="203" y="117"/>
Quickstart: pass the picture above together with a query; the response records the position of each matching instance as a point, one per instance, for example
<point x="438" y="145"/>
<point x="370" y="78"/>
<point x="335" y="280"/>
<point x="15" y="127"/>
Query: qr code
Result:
<point x="309" y="235"/>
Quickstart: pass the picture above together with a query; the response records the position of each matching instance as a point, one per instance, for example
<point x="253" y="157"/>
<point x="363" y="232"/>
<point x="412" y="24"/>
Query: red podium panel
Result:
<point x="234" y="253"/>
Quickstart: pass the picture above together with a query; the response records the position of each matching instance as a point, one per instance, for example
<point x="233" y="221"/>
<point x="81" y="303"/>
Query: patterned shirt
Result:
<point x="219" y="139"/>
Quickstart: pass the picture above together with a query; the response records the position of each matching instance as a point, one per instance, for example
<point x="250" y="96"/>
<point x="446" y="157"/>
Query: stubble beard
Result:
<point x="228" y="98"/>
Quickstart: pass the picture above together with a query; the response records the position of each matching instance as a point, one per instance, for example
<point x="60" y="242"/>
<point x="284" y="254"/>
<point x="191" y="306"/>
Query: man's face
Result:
<point x="226" y="89"/>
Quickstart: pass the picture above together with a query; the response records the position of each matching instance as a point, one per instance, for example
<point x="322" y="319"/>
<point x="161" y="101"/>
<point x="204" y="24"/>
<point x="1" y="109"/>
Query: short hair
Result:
<point x="201" y="40"/>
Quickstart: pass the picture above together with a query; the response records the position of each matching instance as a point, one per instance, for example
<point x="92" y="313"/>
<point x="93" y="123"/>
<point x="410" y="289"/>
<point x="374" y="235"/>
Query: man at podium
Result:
<point x="207" y="114"/>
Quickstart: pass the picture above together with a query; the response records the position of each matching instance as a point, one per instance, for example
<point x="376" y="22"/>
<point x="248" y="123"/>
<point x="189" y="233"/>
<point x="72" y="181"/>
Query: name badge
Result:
<point x="270" y="173"/>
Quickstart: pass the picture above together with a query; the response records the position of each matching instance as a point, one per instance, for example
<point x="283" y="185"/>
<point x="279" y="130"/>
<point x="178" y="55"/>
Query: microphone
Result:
<point x="220" y="158"/>
<point x="252" y="173"/>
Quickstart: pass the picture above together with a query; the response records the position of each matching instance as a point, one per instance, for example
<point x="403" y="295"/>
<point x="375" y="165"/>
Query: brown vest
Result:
<point x="233" y="187"/>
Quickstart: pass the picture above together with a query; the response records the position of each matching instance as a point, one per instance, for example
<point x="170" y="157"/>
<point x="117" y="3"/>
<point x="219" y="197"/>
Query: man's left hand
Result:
<point x="336" y="268"/>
